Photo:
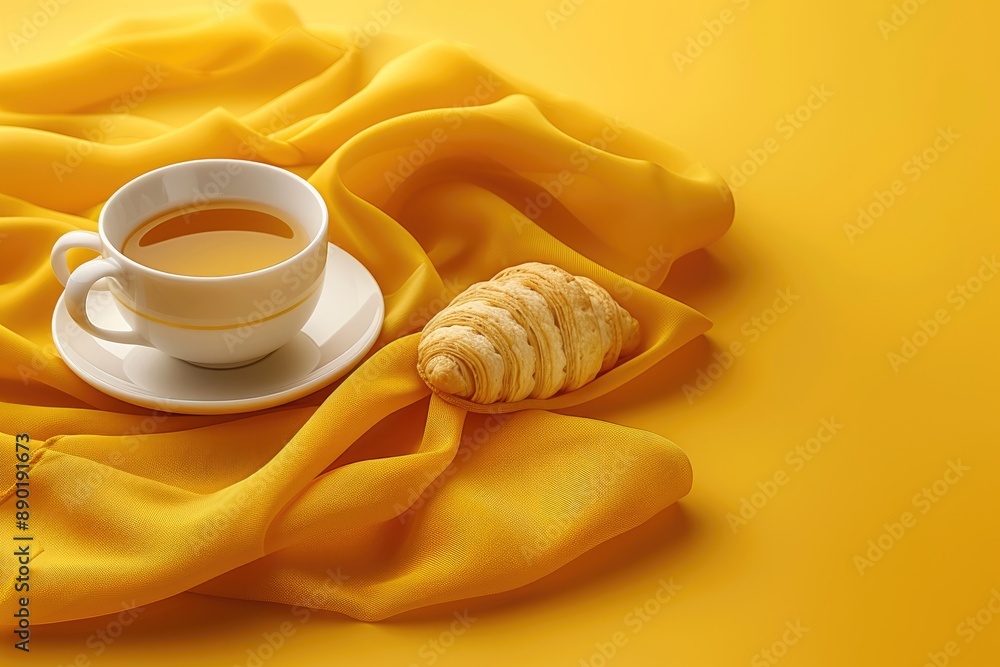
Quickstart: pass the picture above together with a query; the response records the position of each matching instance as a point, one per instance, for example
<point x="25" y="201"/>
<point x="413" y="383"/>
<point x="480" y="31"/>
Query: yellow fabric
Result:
<point x="370" y="497"/>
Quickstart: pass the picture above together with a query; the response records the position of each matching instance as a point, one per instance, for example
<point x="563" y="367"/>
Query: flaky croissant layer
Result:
<point x="531" y="331"/>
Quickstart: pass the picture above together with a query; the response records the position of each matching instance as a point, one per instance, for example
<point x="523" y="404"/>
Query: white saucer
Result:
<point x="340" y="332"/>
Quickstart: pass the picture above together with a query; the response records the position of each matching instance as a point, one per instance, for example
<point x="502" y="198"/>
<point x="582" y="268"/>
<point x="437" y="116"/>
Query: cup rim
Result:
<point x="320" y="240"/>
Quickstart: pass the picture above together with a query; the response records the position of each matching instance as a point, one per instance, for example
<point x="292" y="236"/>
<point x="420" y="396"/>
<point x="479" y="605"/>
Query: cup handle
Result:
<point x="79" y="283"/>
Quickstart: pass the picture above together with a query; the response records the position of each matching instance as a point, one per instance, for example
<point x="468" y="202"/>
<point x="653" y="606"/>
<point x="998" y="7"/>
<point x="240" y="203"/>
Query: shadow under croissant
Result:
<point x="661" y="386"/>
<point x="709" y="281"/>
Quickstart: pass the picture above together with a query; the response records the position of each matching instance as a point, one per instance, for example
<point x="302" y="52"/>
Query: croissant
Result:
<point x="531" y="331"/>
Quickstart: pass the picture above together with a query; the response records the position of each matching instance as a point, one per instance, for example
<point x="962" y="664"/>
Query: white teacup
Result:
<point x="215" y="321"/>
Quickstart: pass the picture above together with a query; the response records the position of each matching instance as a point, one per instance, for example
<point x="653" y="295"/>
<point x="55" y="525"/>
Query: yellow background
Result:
<point x="826" y="357"/>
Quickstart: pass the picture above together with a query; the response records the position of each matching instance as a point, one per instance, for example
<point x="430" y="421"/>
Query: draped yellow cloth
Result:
<point x="370" y="497"/>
